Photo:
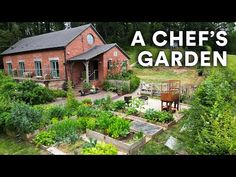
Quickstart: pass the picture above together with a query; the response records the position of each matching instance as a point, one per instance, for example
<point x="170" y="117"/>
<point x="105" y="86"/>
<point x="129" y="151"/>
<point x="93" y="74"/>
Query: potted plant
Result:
<point x="86" y="88"/>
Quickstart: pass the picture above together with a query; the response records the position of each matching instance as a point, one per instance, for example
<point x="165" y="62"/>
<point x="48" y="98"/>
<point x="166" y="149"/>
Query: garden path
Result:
<point x="153" y="103"/>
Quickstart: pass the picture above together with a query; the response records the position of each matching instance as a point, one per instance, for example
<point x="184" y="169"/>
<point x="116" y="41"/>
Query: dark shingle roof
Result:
<point x="55" y="39"/>
<point x="95" y="51"/>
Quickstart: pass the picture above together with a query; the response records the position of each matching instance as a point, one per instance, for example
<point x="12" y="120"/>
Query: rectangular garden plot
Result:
<point x="148" y="129"/>
<point x="126" y="147"/>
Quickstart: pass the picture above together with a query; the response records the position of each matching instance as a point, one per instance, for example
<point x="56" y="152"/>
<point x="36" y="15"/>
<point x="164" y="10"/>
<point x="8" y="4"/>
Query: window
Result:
<point x="9" y="68"/>
<point x="54" y="68"/>
<point x="38" y="68"/>
<point x="109" y="64"/>
<point x="124" y="66"/>
<point x="22" y="68"/>
<point x="90" y="39"/>
<point x="115" y="54"/>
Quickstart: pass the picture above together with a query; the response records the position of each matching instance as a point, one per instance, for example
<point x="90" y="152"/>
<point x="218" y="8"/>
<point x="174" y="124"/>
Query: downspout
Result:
<point x="65" y="63"/>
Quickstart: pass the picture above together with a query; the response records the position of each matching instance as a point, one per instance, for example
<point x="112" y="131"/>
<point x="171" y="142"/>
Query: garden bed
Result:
<point x="137" y="118"/>
<point x="125" y="145"/>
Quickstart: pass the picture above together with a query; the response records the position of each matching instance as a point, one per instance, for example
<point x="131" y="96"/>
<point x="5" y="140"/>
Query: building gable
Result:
<point x="82" y="43"/>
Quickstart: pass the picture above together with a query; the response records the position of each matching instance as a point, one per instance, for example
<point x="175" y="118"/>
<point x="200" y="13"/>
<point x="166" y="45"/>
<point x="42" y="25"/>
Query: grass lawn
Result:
<point x="232" y="62"/>
<point x="156" y="145"/>
<point x="9" y="146"/>
<point x="159" y="74"/>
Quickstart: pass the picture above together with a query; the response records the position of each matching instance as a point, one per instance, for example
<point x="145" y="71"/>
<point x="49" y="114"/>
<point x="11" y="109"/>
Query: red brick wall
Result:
<point x="79" y="45"/>
<point x="115" y="59"/>
<point x="29" y="58"/>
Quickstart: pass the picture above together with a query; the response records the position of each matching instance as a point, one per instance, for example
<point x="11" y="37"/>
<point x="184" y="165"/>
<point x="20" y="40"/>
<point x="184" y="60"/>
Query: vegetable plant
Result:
<point x="100" y="149"/>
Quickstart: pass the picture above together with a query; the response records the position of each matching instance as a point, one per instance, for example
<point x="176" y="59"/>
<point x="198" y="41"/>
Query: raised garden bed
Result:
<point x="126" y="146"/>
<point x="27" y="137"/>
<point x="137" y="118"/>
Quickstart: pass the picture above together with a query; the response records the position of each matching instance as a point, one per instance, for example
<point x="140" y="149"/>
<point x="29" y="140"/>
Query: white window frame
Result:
<point x="115" y="54"/>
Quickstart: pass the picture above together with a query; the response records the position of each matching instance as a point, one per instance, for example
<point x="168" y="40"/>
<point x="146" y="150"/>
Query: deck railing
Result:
<point x="43" y="74"/>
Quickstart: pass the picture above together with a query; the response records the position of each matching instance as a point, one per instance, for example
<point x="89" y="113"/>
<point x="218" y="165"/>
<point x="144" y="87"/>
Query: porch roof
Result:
<point x="95" y="51"/>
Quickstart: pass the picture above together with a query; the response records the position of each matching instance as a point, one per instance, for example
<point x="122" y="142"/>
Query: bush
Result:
<point x="119" y="128"/>
<point x="5" y="108"/>
<point x="45" y="138"/>
<point x="134" y="83"/>
<point x="32" y="93"/>
<point x="211" y="126"/>
<point x="23" y="119"/>
<point x="100" y="149"/>
<point x="59" y="93"/>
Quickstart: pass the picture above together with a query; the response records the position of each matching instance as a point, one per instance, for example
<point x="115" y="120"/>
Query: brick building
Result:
<point x="78" y="54"/>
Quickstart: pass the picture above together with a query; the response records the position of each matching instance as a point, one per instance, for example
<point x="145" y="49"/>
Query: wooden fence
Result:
<point x="154" y="89"/>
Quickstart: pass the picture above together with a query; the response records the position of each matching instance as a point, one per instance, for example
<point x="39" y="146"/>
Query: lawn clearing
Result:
<point x="159" y="74"/>
<point x="9" y="146"/>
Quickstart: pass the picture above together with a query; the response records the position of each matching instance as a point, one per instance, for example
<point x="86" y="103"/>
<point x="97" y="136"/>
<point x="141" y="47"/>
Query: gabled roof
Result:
<point x="57" y="39"/>
<point x="95" y="51"/>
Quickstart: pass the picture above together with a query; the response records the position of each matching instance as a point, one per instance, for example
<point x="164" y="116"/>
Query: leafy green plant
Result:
<point x="86" y="86"/>
<point x="138" y="136"/>
<point x="158" y="116"/>
<point x="66" y="130"/>
<point x="56" y="112"/>
<point x="119" y="128"/>
<point x="131" y="111"/>
<point x="104" y="103"/>
<point x="92" y="143"/>
<point x="211" y="119"/>
<point x="59" y="93"/>
<point x="165" y="116"/>
<point x="125" y="88"/>
<point x="118" y="105"/>
<point x="85" y="111"/>
<point x="86" y="122"/>
<point x="31" y="93"/>
<point x="100" y="149"/>
<point x="23" y="118"/>
<point x="72" y="103"/>
<point x="134" y="83"/>
<point x="46" y="138"/>
<point x="104" y="122"/>
<point x="151" y="114"/>
<point x="87" y="101"/>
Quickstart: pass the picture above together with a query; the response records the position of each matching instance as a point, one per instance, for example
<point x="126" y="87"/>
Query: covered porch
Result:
<point x="86" y="71"/>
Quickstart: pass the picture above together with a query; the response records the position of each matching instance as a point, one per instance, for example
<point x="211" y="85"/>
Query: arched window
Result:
<point x="90" y="39"/>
